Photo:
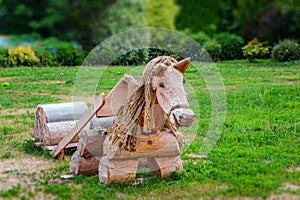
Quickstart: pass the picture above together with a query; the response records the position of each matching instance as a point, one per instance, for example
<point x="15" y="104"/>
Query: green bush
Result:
<point x="286" y="50"/>
<point x="3" y="57"/>
<point x="231" y="46"/>
<point x="134" y="57"/>
<point x="213" y="48"/>
<point x="22" y="56"/>
<point x="200" y="37"/>
<point x="70" y="56"/>
<point x="26" y="56"/>
<point x="255" y="49"/>
<point x="47" y="57"/>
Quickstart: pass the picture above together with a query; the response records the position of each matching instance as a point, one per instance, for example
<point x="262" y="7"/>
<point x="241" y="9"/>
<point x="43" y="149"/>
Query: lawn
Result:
<point x="257" y="154"/>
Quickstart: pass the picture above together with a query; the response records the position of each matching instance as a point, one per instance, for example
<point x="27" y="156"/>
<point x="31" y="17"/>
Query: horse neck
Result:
<point x="158" y="114"/>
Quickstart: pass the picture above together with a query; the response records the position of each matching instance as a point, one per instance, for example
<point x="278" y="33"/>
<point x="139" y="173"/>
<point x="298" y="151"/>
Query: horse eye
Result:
<point x="161" y="84"/>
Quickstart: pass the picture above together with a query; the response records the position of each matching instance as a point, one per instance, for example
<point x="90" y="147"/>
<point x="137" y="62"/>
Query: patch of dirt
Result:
<point x="3" y="79"/>
<point x="198" y="157"/>
<point x="290" y="186"/>
<point x="60" y="82"/>
<point x="42" y="195"/>
<point x="285" y="195"/>
<point x="292" y="169"/>
<point x="14" y="111"/>
<point x="22" y="171"/>
<point x="65" y="98"/>
<point x="287" y="83"/>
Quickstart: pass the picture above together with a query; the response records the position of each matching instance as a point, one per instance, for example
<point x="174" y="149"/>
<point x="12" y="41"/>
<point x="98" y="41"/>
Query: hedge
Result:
<point x="29" y="57"/>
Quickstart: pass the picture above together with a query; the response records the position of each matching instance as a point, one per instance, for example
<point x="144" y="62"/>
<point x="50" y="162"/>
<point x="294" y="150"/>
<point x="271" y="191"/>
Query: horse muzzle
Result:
<point x="182" y="117"/>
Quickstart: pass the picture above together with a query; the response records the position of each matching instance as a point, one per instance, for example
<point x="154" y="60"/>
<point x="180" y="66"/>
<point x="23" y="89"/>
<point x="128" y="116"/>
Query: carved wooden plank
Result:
<point x="114" y="100"/>
<point x="117" y="97"/>
<point x="161" y="144"/>
<point x="88" y="115"/>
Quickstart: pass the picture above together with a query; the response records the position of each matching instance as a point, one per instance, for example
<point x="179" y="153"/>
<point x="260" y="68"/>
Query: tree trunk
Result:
<point x="53" y="133"/>
<point x="101" y="123"/>
<point x="60" y="112"/>
<point x="52" y="113"/>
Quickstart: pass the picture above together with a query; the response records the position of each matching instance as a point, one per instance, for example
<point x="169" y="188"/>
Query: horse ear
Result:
<point x="159" y="68"/>
<point x="182" y="65"/>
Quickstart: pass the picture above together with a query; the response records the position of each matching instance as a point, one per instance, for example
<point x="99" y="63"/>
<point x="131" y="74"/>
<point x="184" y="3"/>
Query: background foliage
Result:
<point x="90" y="22"/>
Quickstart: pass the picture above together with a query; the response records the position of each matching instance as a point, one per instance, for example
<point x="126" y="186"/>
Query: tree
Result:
<point x="199" y="16"/>
<point x="247" y="15"/>
<point x="119" y="17"/>
<point x="64" y="19"/>
<point x="161" y="13"/>
<point x="17" y="16"/>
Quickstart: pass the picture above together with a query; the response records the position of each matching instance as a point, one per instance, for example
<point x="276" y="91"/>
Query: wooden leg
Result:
<point x="82" y="165"/>
<point x="111" y="171"/>
<point x="164" y="166"/>
<point x="61" y="155"/>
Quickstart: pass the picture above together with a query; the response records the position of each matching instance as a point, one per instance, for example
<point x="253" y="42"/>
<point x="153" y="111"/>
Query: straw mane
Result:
<point x="136" y="117"/>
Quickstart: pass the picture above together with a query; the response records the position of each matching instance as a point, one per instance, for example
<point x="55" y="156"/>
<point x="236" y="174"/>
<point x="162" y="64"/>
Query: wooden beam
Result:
<point x="88" y="115"/>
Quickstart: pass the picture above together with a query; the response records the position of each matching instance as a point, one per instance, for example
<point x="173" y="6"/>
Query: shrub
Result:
<point x="70" y="56"/>
<point x="286" y="50"/>
<point x="255" y="49"/>
<point x="134" y="57"/>
<point x="3" y="57"/>
<point x="142" y="56"/>
<point x="47" y="57"/>
<point x="231" y="46"/>
<point x="199" y="37"/>
<point x="213" y="48"/>
<point x="22" y="56"/>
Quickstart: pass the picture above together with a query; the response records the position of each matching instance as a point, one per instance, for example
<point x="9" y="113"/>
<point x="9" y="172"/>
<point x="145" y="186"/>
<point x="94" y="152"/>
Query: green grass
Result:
<point x="257" y="153"/>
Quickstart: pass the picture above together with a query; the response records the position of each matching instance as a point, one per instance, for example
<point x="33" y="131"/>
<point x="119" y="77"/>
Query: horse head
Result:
<point x="167" y="84"/>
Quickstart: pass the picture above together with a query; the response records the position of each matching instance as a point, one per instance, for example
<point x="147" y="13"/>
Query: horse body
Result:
<point x="146" y="125"/>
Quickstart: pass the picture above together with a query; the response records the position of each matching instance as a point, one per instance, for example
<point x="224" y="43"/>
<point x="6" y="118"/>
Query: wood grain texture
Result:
<point x="102" y="123"/>
<point x="161" y="144"/>
<point x="91" y="143"/>
<point x="82" y="165"/>
<point x="111" y="171"/>
<point x="88" y="115"/>
<point x="54" y="132"/>
<point x="164" y="166"/>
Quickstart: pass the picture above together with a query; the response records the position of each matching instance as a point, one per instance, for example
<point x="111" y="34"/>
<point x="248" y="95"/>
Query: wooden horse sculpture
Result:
<point x="145" y="127"/>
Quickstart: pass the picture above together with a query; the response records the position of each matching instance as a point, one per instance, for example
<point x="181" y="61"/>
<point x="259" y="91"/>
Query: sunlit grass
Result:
<point x="256" y="154"/>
